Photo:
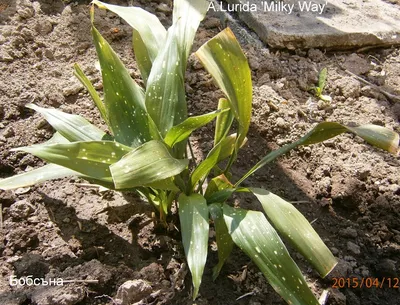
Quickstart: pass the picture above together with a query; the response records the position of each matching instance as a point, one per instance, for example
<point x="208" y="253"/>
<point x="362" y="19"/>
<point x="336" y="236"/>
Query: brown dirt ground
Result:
<point x="65" y="229"/>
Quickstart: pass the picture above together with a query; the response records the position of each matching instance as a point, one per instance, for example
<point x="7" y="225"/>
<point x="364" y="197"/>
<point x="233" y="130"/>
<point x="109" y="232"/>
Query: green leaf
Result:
<point x="378" y="136"/>
<point x="322" y="79"/>
<point x="224" y="240"/>
<point x="165" y="91"/>
<point x="187" y="15"/>
<point x="142" y="56"/>
<point x="183" y="130"/>
<point x="252" y="233"/>
<point x="38" y="175"/>
<point x="224" y="60"/>
<point x="224" y="121"/>
<point x="193" y="216"/>
<point x="152" y="33"/>
<point x="290" y="223"/>
<point x="92" y="91"/>
<point x="145" y="165"/>
<point x="217" y="184"/>
<point x="88" y="158"/>
<point x="124" y="99"/>
<point x="203" y="169"/>
<point x="228" y="146"/>
<point x="72" y="127"/>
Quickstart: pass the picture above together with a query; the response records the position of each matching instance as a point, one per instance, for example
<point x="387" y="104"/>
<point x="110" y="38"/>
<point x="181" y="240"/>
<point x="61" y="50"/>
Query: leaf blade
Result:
<point x="35" y="176"/>
<point x="183" y="130"/>
<point x="224" y="240"/>
<point x="290" y="223"/>
<point x="193" y="216"/>
<point x="148" y="163"/>
<point x="252" y="232"/>
<point x="92" y="91"/>
<point x="91" y="158"/>
<point x="147" y="25"/>
<point x="224" y="60"/>
<point x="123" y="98"/>
<point x="378" y="136"/>
<point x="72" y="127"/>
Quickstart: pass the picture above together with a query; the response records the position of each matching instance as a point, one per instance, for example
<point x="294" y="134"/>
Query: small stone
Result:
<point x="21" y="209"/>
<point x="44" y="27"/>
<point x="26" y="13"/>
<point x="31" y="264"/>
<point x="55" y="295"/>
<point x="357" y="64"/>
<point x="66" y="220"/>
<point x="281" y="123"/>
<point x="348" y="232"/>
<point x="335" y="251"/>
<point x="321" y="104"/>
<point x="72" y="90"/>
<point x="387" y="268"/>
<point x="49" y="54"/>
<point x="164" y="8"/>
<point x="8" y="132"/>
<point x="351" y="298"/>
<point x="133" y="291"/>
<point x="349" y="87"/>
<point x="352" y="247"/>
<point x="336" y="297"/>
<point x="342" y="269"/>
<point x="212" y="22"/>
<point x="315" y="55"/>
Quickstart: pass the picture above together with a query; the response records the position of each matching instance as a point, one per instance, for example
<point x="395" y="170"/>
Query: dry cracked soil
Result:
<point x="67" y="229"/>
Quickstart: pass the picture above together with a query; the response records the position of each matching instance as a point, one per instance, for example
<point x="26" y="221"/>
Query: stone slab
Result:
<point x="334" y="24"/>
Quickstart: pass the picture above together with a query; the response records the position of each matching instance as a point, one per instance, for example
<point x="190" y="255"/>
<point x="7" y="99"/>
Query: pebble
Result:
<point x="212" y="22"/>
<point x="21" y="209"/>
<point x="354" y="248"/>
<point x="336" y="297"/>
<point x="349" y="87"/>
<point x="72" y="90"/>
<point x="348" y="232"/>
<point x="164" y="8"/>
<point x="8" y="132"/>
<point x="133" y="291"/>
<point x="281" y="123"/>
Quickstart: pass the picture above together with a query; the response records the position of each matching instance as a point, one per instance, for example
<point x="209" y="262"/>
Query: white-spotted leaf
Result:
<point x="255" y="236"/>
<point x="193" y="216"/>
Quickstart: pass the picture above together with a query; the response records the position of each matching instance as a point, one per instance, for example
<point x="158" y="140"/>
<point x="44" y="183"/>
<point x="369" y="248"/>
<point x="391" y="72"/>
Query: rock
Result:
<point x="164" y="8"/>
<point x="315" y="55"/>
<point x="281" y="123"/>
<point x="21" y="209"/>
<point x="72" y="90"/>
<point x="132" y="291"/>
<point x="25" y="9"/>
<point x="349" y="87"/>
<point x="58" y="295"/>
<point x="336" y="297"/>
<point x="387" y="268"/>
<point x="44" y="27"/>
<point x="212" y="22"/>
<point x="357" y="64"/>
<point x="31" y="264"/>
<point x="351" y="298"/>
<point x="354" y="248"/>
<point x="8" y="132"/>
<point x="338" y="25"/>
<point x="348" y="232"/>
<point x="342" y="269"/>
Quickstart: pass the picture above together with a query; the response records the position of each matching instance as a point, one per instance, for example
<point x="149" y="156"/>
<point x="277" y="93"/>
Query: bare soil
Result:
<point x="66" y="229"/>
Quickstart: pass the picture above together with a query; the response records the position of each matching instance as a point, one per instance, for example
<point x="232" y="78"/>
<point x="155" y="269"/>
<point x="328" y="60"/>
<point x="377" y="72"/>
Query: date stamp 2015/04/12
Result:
<point x="366" y="282"/>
